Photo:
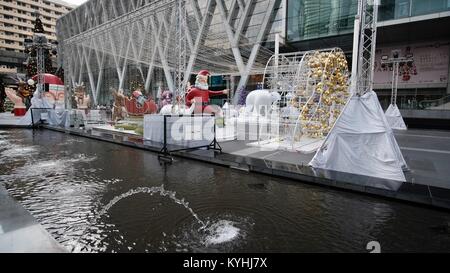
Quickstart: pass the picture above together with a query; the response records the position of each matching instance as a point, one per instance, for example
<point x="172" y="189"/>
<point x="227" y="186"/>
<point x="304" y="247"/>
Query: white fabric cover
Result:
<point x="59" y="118"/>
<point x="36" y="102"/>
<point x="154" y="128"/>
<point x="394" y="118"/>
<point x="362" y="142"/>
<point x="181" y="130"/>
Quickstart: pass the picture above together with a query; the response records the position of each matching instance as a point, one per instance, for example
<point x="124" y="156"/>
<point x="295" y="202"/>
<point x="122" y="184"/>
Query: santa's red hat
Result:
<point x="204" y="73"/>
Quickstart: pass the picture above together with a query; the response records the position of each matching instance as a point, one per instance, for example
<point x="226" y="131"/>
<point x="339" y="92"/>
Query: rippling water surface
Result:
<point x="95" y="196"/>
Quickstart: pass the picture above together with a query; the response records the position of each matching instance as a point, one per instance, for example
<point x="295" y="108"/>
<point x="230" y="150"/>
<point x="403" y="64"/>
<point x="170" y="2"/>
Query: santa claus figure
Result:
<point x="200" y="94"/>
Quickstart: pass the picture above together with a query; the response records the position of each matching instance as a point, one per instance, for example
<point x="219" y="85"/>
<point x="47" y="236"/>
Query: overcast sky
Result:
<point x="75" y="2"/>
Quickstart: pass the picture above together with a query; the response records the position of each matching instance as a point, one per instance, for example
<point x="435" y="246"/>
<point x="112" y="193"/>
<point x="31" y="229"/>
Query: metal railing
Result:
<point x="166" y="151"/>
<point x="39" y="116"/>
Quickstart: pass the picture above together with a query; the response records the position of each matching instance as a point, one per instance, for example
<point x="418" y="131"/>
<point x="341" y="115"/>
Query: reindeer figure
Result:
<point x="24" y="91"/>
<point x="119" y="110"/>
<point x="83" y="101"/>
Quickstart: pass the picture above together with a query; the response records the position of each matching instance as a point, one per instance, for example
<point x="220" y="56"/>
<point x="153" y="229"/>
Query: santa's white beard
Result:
<point x="202" y="86"/>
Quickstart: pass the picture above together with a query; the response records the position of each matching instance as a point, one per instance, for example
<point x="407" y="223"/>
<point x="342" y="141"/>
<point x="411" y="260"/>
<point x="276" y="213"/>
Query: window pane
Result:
<point x="310" y="19"/>
<point x="420" y="7"/>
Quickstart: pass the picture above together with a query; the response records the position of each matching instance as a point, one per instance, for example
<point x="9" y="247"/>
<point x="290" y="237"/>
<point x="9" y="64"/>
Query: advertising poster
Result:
<point x="430" y="64"/>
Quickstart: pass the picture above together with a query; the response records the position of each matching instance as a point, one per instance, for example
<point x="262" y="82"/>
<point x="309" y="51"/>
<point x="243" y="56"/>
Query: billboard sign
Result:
<point x="430" y="64"/>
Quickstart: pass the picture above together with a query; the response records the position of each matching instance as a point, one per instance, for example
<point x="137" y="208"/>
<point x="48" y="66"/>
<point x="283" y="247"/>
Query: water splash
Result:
<point x="221" y="232"/>
<point x="213" y="235"/>
<point x="210" y="234"/>
<point x="151" y="191"/>
<point x="224" y="233"/>
<point x="14" y="150"/>
<point x="43" y="169"/>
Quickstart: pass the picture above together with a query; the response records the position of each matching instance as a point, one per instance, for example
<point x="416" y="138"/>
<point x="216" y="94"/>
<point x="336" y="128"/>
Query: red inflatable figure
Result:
<point x="200" y="93"/>
<point x="139" y="105"/>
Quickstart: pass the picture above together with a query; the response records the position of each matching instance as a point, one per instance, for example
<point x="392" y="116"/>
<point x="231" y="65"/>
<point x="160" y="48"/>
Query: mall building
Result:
<point x="416" y="28"/>
<point x="121" y="44"/>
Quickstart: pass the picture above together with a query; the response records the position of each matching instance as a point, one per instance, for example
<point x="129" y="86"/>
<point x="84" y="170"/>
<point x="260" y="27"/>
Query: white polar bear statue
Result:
<point x="261" y="101"/>
<point x="229" y="110"/>
<point x="177" y="109"/>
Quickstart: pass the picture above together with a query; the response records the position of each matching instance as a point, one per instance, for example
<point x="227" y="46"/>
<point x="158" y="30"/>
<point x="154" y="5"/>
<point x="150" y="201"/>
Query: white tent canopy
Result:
<point x="394" y="118"/>
<point x="362" y="142"/>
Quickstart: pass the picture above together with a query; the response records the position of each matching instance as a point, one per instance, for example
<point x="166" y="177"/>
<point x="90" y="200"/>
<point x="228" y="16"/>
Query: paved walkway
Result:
<point x="427" y="153"/>
<point x="20" y="232"/>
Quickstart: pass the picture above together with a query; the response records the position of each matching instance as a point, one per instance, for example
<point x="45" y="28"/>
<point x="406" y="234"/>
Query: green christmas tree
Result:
<point x="38" y="26"/>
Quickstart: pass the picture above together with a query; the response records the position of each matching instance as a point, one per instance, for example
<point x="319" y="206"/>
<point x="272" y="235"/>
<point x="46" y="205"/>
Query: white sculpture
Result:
<point x="119" y="109"/>
<point x="261" y="100"/>
<point x="178" y="109"/>
<point x="37" y="101"/>
<point x="82" y="99"/>
<point x="230" y="111"/>
<point x="290" y="112"/>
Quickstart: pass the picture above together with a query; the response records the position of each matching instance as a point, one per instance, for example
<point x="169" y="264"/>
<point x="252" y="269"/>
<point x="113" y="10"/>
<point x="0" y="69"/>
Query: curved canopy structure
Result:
<point x="175" y="37"/>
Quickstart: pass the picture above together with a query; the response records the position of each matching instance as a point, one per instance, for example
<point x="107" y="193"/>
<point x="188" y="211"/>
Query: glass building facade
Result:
<point x="397" y="9"/>
<point x="313" y="19"/>
<point x="314" y="24"/>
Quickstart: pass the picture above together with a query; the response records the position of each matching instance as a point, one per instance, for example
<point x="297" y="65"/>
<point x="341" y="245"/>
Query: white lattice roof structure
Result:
<point x="177" y="37"/>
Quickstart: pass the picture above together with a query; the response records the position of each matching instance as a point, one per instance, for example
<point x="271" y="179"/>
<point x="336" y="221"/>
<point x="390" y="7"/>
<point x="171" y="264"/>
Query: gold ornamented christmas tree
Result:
<point x="322" y="92"/>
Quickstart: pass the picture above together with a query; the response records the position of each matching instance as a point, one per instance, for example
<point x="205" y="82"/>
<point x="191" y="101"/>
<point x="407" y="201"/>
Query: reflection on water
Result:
<point x="95" y="196"/>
